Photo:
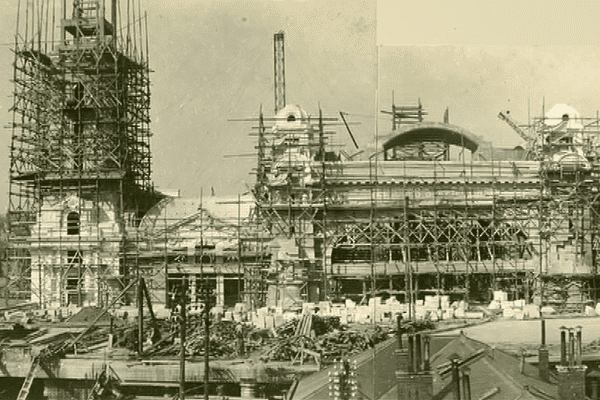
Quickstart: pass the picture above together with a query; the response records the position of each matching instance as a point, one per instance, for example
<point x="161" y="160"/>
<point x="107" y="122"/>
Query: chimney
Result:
<point x="415" y="382"/>
<point x="571" y="375"/>
<point x="563" y="346"/>
<point x="578" y="349"/>
<point x="418" y="354"/>
<point x="571" y="348"/>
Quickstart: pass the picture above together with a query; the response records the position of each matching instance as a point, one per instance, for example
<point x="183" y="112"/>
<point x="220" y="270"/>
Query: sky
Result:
<point x="482" y="57"/>
<point x="212" y="61"/>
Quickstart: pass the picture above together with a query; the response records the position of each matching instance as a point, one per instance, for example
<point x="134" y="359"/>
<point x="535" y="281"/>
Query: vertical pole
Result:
<point x="167" y="300"/>
<point x="63" y="36"/>
<point x="418" y="354"/>
<point x="563" y="346"/>
<point x="411" y="354"/>
<point x="324" y="200"/>
<point x="543" y="332"/>
<point x="579" y="349"/>
<point x="100" y="18"/>
<point x="206" y="338"/>
<point x="204" y="294"/>
<point x="239" y="237"/>
<point x="113" y="20"/>
<point x="182" y="332"/>
<point x="140" y="301"/>
<point x="427" y="354"/>
<point x="399" y="324"/>
<point x="408" y="271"/>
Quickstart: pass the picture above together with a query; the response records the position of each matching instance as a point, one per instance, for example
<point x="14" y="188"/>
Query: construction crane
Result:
<point x="543" y="133"/>
<point x="515" y="127"/>
<point x="279" y="56"/>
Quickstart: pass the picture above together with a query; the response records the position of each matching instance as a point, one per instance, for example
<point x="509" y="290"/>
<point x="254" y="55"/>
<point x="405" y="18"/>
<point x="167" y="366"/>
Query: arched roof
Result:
<point x="434" y="131"/>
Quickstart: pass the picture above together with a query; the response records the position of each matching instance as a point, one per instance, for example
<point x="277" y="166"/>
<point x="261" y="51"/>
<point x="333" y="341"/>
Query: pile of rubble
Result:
<point x="321" y="338"/>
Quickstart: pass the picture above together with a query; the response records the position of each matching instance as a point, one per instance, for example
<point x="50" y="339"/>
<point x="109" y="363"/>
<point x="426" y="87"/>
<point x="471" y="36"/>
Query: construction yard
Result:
<point x="365" y="263"/>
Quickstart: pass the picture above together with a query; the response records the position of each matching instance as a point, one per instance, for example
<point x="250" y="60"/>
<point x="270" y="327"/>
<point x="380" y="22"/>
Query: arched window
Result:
<point x="291" y="118"/>
<point x="73" y="223"/>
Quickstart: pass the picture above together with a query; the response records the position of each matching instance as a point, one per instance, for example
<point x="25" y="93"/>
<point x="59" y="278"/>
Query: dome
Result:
<point x="291" y="116"/>
<point x="562" y="112"/>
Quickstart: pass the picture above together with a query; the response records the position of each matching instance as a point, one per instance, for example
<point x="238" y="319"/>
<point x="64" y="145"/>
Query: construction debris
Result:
<point x="323" y="339"/>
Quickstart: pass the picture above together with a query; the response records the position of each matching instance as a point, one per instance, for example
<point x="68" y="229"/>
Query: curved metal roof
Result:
<point x="434" y="131"/>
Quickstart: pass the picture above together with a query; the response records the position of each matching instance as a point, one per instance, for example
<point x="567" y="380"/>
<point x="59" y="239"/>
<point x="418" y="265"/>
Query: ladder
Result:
<point x="24" y="392"/>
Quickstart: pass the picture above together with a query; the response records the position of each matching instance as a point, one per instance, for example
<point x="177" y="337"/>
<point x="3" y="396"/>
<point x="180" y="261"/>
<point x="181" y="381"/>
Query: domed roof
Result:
<point x="290" y="116"/>
<point x="434" y="131"/>
<point x="562" y="112"/>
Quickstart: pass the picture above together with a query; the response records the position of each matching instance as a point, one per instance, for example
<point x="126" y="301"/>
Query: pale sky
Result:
<point x="213" y="61"/>
<point x="481" y="57"/>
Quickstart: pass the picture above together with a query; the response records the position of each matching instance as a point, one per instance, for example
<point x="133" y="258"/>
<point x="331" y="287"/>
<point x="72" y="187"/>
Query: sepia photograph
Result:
<point x="299" y="200"/>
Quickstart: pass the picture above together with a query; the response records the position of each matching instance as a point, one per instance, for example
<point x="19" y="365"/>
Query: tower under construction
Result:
<point x="80" y="151"/>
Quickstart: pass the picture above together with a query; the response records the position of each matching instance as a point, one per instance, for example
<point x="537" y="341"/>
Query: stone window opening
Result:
<point x="73" y="223"/>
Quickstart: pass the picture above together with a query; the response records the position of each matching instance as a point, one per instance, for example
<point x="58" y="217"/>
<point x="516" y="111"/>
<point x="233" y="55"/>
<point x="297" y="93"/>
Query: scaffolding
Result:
<point x="436" y="211"/>
<point x="80" y="150"/>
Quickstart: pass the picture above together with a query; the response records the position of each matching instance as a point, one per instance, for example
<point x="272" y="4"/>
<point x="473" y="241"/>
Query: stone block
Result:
<point x="494" y="305"/>
<point x="269" y="322"/>
<point x="374" y="301"/>
<point x="507" y="304"/>
<point x="474" y="314"/>
<point x="590" y="311"/>
<point x="259" y="322"/>
<point x="278" y="320"/>
<point x="548" y="310"/>
<point x="448" y="314"/>
<point x="324" y="307"/>
<point x="518" y="314"/>
<point x="263" y="311"/>
<point x="500" y="296"/>
<point x="508" y="313"/>
<point x="519" y="303"/>
<point x="531" y="311"/>
<point x="362" y="314"/>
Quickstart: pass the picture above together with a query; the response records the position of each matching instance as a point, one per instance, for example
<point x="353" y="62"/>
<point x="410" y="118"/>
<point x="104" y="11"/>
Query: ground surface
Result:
<point x="511" y="334"/>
